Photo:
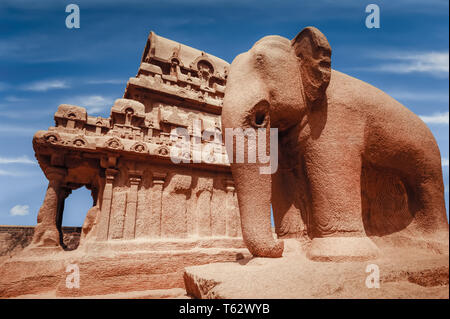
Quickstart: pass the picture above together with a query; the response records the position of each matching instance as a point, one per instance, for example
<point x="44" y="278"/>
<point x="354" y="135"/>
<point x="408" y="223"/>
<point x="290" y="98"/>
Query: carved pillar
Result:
<point x="63" y="193"/>
<point x="46" y="233"/>
<point x="218" y="209"/>
<point x="233" y="224"/>
<point x="174" y="207"/>
<point x="103" y="227"/>
<point x="130" y="212"/>
<point x="144" y="206"/>
<point x="155" y="219"/>
<point x="204" y="194"/>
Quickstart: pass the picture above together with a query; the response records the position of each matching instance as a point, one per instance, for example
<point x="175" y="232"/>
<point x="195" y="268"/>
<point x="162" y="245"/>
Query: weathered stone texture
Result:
<point x="148" y="189"/>
<point x="15" y="238"/>
<point x="353" y="163"/>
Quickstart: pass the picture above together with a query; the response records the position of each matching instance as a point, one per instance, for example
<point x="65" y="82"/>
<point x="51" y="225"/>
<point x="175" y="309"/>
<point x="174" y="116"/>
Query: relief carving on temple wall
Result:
<point x="127" y="159"/>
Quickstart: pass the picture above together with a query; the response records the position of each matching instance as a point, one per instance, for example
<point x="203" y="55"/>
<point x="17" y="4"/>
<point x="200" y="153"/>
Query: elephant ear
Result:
<point x="314" y="53"/>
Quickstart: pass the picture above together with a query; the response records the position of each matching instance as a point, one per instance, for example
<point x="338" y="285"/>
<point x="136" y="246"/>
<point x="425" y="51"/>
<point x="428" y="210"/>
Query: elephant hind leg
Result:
<point x="426" y="194"/>
<point x="429" y="204"/>
<point x="385" y="199"/>
<point x="412" y="206"/>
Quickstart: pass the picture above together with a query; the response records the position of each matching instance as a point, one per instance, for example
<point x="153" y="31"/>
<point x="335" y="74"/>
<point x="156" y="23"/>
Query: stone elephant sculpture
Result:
<point x="354" y="163"/>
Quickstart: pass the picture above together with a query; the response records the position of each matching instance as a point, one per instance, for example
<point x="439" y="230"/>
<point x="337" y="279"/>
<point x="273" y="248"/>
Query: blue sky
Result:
<point x="44" y="64"/>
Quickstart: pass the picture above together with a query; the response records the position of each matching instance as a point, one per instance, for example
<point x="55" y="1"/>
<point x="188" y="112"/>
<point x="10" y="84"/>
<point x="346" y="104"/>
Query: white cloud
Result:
<point x="13" y="99"/>
<point x="7" y="173"/>
<point x="107" y="81"/>
<point x="445" y="162"/>
<point x="7" y="129"/>
<point x="20" y="210"/>
<point x="436" y="118"/>
<point x="17" y="160"/>
<point x="426" y="62"/>
<point x="93" y="103"/>
<point x="419" y="96"/>
<point x="45" y="85"/>
<point x="12" y="173"/>
<point x="434" y="63"/>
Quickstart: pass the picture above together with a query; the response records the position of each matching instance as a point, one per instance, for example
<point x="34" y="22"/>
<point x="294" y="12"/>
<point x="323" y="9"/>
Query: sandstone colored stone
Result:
<point x="14" y="239"/>
<point x="404" y="273"/>
<point x="113" y="267"/>
<point x="143" y="202"/>
<point x="353" y="163"/>
<point x="171" y="293"/>
<point x="359" y="182"/>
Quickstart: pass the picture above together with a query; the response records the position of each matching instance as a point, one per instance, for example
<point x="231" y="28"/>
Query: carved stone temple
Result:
<point x="357" y="200"/>
<point x="137" y="191"/>
<point x="150" y="217"/>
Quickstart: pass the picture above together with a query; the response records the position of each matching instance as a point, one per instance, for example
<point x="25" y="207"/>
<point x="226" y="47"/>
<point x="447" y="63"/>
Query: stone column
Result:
<point x="232" y="211"/>
<point x="46" y="232"/>
<point x="63" y="194"/>
<point x="174" y="207"/>
<point x="155" y="219"/>
<point x="130" y="212"/>
<point x="218" y="210"/>
<point x="144" y="206"/>
<point x="204" y="192"/>
<point x="103" y="226"/>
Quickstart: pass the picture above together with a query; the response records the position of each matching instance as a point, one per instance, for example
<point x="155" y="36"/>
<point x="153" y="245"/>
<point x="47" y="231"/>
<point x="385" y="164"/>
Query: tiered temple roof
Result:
<point x="175" y="86"/>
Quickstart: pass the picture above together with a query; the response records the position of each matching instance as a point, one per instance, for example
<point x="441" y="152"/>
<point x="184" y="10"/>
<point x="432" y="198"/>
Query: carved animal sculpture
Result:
<point x="354" y="164"/>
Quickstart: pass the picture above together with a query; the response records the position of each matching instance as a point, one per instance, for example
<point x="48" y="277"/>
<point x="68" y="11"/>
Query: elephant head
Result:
<point x="273" y="85"/>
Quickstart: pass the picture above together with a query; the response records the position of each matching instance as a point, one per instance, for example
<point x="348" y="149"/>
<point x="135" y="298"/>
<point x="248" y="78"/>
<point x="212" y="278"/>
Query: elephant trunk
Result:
<point x="254" y="194"/>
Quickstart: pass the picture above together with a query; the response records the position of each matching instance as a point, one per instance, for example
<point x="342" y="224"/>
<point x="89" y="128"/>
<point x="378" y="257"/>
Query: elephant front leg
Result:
<point x="337" y="226"/>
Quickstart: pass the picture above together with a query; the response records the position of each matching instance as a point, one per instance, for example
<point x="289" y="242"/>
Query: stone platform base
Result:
<point x="173" y="293"/>
<point x="404" y="273"/>
<point x="111" y="268"/>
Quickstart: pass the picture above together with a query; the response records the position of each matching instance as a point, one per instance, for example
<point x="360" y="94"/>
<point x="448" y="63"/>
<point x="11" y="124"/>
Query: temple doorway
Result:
<point x="76" y="206"/>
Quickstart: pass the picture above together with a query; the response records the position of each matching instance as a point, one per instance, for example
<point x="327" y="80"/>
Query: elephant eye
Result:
<point x="259" y="115"/>
<point x="260" y="118"/>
